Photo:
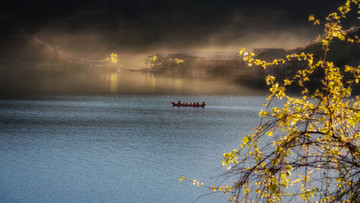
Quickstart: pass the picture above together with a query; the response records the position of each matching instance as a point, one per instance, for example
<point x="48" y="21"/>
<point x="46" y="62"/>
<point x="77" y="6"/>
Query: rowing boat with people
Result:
<point x="186" y="104"/>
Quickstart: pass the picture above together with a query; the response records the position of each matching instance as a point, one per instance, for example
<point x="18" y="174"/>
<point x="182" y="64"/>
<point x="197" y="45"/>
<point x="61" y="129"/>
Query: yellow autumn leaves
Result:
<point x="311" y="139"/>
<point x="113" y="58"/>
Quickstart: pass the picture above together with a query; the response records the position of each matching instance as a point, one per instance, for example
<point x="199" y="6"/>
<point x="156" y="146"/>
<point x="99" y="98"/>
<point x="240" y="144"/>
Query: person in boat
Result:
<point x="203" y="103"/>
<point x="197" y="103"/>
<point x="179" y="102"/>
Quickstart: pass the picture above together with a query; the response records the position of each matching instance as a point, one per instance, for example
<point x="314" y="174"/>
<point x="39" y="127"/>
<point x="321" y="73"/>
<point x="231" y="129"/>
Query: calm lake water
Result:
<point x="124" y="148"/>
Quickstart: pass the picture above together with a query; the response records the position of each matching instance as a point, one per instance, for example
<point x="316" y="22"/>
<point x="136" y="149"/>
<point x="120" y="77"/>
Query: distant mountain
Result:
<point x="341" y="53"/>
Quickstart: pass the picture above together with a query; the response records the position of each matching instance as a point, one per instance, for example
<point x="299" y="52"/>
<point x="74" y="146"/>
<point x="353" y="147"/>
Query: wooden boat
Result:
<point x="188" y="104"/>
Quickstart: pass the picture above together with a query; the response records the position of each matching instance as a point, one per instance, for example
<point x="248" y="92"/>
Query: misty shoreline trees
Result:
<point x="212" y="63"/>
<point x="232" y="66"/>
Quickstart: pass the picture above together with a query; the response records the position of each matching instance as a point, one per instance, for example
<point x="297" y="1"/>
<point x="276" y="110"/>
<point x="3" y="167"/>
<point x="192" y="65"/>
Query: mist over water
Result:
<point x="60" y="80"/>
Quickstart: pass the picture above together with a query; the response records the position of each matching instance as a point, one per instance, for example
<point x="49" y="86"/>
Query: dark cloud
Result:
<point x="145" y="25"/>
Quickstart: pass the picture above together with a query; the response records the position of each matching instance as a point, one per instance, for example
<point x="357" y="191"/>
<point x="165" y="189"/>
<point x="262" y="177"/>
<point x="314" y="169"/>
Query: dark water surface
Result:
<point x="129" y="148"/>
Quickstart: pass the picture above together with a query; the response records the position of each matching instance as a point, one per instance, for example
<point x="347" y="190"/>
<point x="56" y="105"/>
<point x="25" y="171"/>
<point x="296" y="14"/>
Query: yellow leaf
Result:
<point x="311" y="18"/>
<point x="241" y="51"/>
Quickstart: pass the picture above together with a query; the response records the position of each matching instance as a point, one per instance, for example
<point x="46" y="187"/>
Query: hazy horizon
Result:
<point x="136" y="29"/>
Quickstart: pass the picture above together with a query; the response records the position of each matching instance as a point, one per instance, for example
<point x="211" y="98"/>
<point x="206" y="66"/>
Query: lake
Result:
<point x="118" y="148"/>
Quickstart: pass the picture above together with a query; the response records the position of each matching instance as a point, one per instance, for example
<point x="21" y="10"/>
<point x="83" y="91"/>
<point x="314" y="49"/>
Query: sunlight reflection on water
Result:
<point x="94" y="80"/>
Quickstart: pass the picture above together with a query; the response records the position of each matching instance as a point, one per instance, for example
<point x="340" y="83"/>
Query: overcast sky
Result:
<point x="147" y="25"/>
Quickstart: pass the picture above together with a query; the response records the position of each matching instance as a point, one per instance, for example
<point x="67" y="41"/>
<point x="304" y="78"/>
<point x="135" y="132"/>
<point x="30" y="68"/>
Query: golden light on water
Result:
<point x="112" y="80"/>
<point x="153" y="83"/>
<point x="124" y="82"/>
<point x="178" y="83"/>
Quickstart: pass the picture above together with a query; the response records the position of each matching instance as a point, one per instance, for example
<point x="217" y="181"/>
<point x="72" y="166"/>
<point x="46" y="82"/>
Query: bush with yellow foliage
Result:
<point x="308" y="148"/>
